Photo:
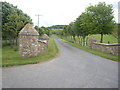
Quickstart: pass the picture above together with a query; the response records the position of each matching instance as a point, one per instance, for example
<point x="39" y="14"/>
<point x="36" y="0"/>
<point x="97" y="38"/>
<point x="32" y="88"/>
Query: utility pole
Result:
<point x="38" y="18"/>
<point x="119" y="21"/>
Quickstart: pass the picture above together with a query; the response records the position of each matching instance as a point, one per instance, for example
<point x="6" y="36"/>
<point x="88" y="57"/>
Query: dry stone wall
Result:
<point x="42" y="45"/>
<point x="107" y="48"/>
<point x="29" y="45"/>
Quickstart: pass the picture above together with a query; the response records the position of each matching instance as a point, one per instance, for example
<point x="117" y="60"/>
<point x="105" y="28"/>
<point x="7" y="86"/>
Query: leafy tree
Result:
<point x="13" y="20"/>
<point x="46" y="30"/>
<point x="40" y="30"/>
<point x="7" y="9"/>
<point x="82" y="27"/>
<point x="71" y="30"/>
<point x="13" y="26"/>
<point x="65" y="30"/>
<point x="37" y="28"/>
<point x="101" y="16"/>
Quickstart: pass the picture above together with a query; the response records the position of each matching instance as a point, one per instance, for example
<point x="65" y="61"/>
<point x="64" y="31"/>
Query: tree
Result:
<point x="37" y="28"/>
<point x="71" y="30"/>
<point x="13" y="26"/>
<point x="65" y="30"/>
<point x="46" y="30"/>
<point x="13" y="20"/>
<point x="40" y="30"/>
<point x="82" y="26"/>
<point x="102" y="18"/>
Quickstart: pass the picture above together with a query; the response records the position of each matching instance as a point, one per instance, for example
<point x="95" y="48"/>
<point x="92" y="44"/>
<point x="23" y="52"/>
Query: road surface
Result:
<point x="73" y="68"/>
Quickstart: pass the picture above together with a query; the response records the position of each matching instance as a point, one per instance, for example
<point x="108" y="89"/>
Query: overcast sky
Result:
<point x="57" y="12"/>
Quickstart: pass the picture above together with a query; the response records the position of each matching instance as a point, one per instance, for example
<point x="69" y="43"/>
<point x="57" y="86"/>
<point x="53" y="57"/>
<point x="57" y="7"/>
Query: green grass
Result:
<point x="106" y="38"/>
<point x="98" y="53"/>
<point x="12" y="58"/>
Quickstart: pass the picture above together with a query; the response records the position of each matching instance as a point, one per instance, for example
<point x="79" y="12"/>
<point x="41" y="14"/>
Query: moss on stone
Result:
<point x="28" y="30"/>
<point x="28" y="26"/>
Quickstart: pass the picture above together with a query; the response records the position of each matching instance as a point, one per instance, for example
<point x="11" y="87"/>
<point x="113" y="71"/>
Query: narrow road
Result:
<point x="73" y="68"/>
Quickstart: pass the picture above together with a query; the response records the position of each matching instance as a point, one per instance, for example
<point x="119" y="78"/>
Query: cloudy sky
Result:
<point x="57" y="12"/>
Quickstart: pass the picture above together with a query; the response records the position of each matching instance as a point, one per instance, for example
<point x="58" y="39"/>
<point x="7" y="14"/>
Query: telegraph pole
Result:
<point x="118" y="21"/>
<point x="38" y="18"/>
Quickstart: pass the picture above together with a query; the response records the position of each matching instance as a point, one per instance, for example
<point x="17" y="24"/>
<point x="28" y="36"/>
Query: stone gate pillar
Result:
<point x="28" y="41"/>
<point x="91" y="42"/>
<point x="45" y="37"/>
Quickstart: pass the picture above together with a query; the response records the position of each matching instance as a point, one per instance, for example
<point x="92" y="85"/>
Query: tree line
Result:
<point x="56" y="27"/>
<point x="13" y="20"/>
<point x="43" y="30"/>
<point x="96" y="19"/>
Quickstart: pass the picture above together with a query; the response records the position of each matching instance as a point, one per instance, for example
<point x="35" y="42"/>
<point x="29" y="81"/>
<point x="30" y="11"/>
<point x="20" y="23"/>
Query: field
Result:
<point x="98" y="53"/>
<point x="10" y="57"/>
<point x="106" y="38"/>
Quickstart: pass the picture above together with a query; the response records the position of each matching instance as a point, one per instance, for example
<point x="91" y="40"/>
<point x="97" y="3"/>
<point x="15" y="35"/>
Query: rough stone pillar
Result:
<point x="91" y="41"/>
<point x="45" y="37"/>
<point x="28" y="41"/>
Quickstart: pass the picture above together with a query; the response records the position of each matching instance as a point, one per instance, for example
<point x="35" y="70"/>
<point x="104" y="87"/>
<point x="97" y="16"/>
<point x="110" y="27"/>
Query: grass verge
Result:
<point x="98" y="53"/>
<point x="12" y="58"/>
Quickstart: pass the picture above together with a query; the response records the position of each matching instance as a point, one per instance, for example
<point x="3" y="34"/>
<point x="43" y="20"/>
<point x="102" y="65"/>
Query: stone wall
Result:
<point x="29" y="45"/>
<point x="43" y="44"/>
<point x="107" y="48"/>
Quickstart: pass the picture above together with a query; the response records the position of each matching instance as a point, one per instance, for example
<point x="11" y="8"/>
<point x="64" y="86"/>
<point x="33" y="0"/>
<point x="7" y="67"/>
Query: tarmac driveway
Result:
<point x="73" y="68"/>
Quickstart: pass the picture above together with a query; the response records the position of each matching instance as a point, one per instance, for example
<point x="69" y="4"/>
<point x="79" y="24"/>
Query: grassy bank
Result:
<point x="98" y="53"/>
<point x="12" y="58"/>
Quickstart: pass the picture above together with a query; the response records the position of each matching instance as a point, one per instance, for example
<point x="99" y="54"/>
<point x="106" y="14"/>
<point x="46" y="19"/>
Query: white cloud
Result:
<point x="57" y="11"/>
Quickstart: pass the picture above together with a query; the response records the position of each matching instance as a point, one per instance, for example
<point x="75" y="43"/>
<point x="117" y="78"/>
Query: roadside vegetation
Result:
<point x="11" y="57"/>
<point x="96" y="21"/>
<point x="98" y="53"/>
<point x="108" y="38"/>
<point x="13" y="20"/>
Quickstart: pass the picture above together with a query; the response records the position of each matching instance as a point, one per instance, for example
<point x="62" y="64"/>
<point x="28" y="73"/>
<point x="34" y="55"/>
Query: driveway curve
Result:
<point x="73" y="68"/>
